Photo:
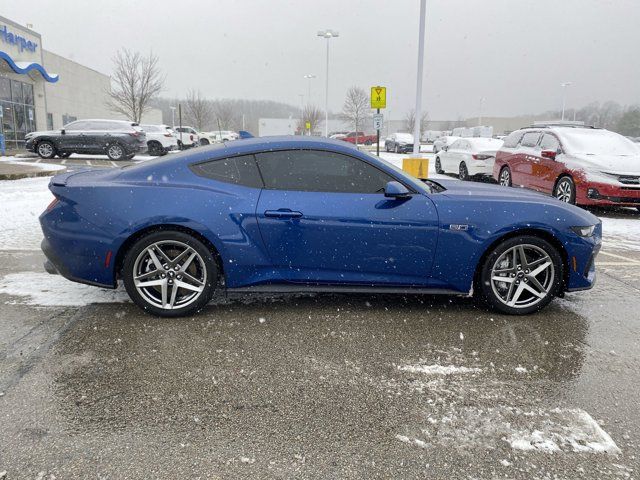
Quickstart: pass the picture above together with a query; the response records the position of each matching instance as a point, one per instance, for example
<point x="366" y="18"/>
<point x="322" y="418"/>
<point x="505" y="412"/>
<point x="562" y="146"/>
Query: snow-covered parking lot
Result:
<point x="314" y="386"/>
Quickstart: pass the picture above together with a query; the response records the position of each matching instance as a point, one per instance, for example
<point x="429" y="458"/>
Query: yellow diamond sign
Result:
<point x="378" y="97"/>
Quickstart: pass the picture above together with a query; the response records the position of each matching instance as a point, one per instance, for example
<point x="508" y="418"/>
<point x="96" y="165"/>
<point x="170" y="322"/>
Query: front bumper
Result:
<point x="608" y="195"/>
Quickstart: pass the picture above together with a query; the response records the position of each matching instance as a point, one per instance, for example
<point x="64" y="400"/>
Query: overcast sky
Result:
<point x="514" y="53"/>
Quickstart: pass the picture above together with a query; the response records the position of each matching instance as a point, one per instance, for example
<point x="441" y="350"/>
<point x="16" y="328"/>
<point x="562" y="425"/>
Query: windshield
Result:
<point x="597" y="142"/>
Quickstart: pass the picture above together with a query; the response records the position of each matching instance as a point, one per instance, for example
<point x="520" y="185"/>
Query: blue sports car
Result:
<point x="298" y="214"/>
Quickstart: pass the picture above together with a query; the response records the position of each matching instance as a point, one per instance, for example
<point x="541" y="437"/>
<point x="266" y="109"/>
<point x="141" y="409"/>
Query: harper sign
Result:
<point x="19" y="41"/>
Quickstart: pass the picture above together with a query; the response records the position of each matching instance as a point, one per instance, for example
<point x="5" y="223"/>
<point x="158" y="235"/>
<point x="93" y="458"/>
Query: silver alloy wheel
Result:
<point x="505" y="177"/>
<point x="115" y="152"/>
<point x="45" y="149"/>
<point x="564" y="190"/>
<point x="169" y="274"/>
<point x="522" y="276"/>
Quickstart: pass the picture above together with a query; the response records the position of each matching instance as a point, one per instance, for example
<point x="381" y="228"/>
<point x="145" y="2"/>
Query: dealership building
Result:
<point x="40" y="90"/>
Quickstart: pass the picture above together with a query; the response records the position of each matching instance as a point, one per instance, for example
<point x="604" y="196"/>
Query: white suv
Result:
<point x="187" y="137"/>
<point x="160" y="139"/>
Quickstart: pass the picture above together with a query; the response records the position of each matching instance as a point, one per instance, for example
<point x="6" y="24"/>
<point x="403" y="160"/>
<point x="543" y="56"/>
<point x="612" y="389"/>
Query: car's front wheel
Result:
<point x="46" y="149"/>
<point x="565" y="190"/>
<point x="521" y="275"/>
<point x="170" y="274"/>
<point x="505" y="177"/>
<point x="439" y="166"/>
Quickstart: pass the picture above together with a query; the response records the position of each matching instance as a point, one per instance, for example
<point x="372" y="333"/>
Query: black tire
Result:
<point x="46" y="149"/>
<point x="116" y="152"/>
<point x="439" y="166"/>
<point x="504" y="178"/>
<point x="64" y="155"/>
<point x="209" y="267"/>
<point x="368" y="142"/>
<point x="155" y="148"/>
<point x="488" y="291"/>
<point x="204" y="142"/>
<point x="463" y="173"/>
<point x="386" y="148"/>
<point x="565" y="190"/>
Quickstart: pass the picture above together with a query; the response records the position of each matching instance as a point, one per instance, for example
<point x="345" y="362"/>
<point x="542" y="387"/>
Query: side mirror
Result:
<point x="396" y="190"/>
<point x="550" y="154"/>
<point x="63" y="131"/>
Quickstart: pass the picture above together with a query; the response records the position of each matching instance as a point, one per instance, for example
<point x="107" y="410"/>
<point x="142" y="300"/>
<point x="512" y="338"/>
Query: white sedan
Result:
<point x="468" y="157"/>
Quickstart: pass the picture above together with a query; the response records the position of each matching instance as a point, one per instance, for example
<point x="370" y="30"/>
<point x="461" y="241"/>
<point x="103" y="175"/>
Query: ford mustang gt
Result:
<point x="297" y="214"/>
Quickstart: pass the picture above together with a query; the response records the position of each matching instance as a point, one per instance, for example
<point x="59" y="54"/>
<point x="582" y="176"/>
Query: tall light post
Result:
<point x="418" y="115"/>
<point x="173" y="117"/>
<point x="328" y="34"/>
<point x="564" y="95"/>
<point x="482" y="99"/>
<point x="309" y="76"/>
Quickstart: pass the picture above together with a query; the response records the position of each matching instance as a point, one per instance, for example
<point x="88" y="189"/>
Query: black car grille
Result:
<point x="629" y="180"/>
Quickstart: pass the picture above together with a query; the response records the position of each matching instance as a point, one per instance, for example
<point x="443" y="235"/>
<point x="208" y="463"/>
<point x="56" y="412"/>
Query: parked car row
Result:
<point x="119" y="139"/>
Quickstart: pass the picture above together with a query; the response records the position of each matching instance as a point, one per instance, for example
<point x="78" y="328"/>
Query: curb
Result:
<point x="31" y="174"/>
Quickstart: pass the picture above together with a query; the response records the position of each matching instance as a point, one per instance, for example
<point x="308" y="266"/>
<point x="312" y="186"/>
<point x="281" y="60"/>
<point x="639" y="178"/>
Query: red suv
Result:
<point x="579" y="165"/>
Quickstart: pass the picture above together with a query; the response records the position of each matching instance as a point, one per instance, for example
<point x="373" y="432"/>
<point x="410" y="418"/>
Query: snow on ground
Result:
<point x="437" y="369"/>
<point x="545" y="431"/>
<point x="44" y="289"/>
<point x="621" y="233"/>
<point x="22" y="202"/>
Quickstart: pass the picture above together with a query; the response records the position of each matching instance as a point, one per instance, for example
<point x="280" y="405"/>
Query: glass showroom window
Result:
<point x="17" y="112"/>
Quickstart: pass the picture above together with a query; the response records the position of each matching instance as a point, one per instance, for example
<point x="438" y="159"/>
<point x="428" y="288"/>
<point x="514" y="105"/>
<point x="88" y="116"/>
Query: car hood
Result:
<point x="618" y="164"/>
<point x="488" y="190"/>
<point x="44" y="132"/>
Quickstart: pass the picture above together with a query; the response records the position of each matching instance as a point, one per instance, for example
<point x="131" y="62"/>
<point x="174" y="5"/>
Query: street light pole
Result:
<point x="328" y="34"/>
<point x="309" y="77"/>
<point x="482" y="99"/>
<point x="418" y="110"/>
<point x="173" y="117"/>
<point x="564" y="95"/>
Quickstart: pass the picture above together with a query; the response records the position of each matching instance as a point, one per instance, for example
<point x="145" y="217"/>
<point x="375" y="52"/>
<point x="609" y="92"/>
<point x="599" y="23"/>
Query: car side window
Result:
<point x="455" y="145"/>
<point x="237" y="170"/>
<point x="319" y="171"/>
<point x="77" y="126"/>
<point x="512" y="140"/>
<point x="549" y="142"/>
<point x="530" y="139"/>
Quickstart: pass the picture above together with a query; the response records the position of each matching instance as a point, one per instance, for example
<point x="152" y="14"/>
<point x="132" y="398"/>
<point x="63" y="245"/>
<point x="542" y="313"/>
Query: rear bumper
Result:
<point x="53" y="265"/>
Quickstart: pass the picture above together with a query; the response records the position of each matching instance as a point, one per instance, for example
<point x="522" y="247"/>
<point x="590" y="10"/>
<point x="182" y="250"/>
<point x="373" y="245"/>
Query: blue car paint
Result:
<point x="429" y="240"/>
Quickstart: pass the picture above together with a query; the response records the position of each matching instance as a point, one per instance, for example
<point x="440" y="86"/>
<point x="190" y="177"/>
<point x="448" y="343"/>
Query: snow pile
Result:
<point x="43" y="289"/>
<point x="543" y="431"/>
<point x="621" y="233"/>
<point x="438" y="369"/>
<point x="22" y="203"/>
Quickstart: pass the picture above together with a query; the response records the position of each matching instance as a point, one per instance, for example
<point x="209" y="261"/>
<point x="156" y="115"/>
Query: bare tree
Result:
<point x="136" y="81"/>
<point x="356" y="108"/>
<point x="225" y="114"/>
<point x="199" y="110"/>
<point x="410" y="121"/>
<point x="313" y="115"/>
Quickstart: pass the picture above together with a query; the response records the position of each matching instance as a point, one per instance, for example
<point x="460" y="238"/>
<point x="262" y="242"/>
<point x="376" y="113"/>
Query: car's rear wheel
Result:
<point x="170" y="274"/>
<point x="505" y="177"/>
<point x="155" y="148"/>
<point x="115" y="151"/>
<point x="204" y="141"/>
<point x="463" y="173"/>
<point x="565" y="190"/>
<point x="439" y="166"/>
<point x="46" y="149"/>
<point x="521" y="275"/>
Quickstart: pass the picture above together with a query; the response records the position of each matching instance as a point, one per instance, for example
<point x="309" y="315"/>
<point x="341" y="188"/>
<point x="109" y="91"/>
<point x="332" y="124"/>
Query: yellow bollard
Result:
<point x="418" y="167"/>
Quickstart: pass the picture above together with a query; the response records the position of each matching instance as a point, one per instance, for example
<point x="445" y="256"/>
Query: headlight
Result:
<point x="584" y="231"/>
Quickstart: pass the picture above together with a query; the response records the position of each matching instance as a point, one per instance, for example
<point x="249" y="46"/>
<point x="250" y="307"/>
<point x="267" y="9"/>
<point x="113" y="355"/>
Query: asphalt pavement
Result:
<point x="323" y="386"/>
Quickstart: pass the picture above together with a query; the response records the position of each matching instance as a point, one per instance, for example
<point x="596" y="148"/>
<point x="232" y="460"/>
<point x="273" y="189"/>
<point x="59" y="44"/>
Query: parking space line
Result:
<point x="114" y="164"/>
<point x="88" y="162"/>
<point x="38" y="160"/>
<point x="63" y="162"/>
<point x="631" y="260"/>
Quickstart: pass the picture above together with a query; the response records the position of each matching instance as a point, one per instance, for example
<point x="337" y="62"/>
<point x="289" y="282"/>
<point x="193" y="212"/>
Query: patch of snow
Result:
<point x="505" y="463"/>
<point x="43" y="289"/>
<point x="438" y="369"/>
<point x="520" y="369"/>
<point x="621" y="233"/>
<point x="22" y="203"/>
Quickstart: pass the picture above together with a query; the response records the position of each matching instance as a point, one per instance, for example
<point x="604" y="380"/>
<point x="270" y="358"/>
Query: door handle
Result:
<point x="282" y="213"/>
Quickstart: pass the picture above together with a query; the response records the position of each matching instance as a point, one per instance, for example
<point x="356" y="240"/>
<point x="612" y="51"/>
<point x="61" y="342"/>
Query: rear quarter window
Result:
<point x="513" y="139"/>
<point x="236" y="170"/>
<point x="530" y="139"/>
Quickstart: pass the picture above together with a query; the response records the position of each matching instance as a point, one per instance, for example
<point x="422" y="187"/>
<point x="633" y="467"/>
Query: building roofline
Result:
<point x="17" y="25"/>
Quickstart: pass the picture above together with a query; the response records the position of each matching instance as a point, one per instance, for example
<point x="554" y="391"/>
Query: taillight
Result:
<point x="134" y="134"/>
<point x="478" y="156"/>
<point x="53" y="203"/>
<point x="191" y="137"/>
<point x="168" y="134"/>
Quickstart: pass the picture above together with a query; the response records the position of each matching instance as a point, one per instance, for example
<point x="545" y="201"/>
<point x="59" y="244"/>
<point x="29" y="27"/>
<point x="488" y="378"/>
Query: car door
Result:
<point x="525" y="159"/>
<point x="324" y="219"/>
<point x="546" y="169"/>
<point x="73" y="139"/>
<point x="449" y="157"/>
<point x="95" y="136"/>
